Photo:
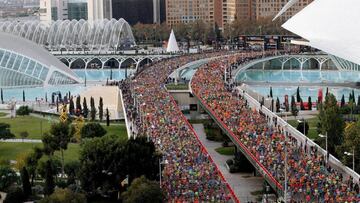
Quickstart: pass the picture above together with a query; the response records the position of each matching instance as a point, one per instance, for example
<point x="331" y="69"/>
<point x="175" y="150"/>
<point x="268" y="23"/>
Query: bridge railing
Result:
<point x="300" y="137"/>
<point x="253" y="160"/>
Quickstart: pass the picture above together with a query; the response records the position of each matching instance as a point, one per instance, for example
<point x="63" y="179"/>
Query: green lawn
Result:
<point x="116" y="129"/>
<point x="177" y="87"/>
<point x="312" y="134"/>
<point x="33" y="125"/>
<point x="226" y="150"/>
<point x="2" y="114"/>
<point x="9" y="151"/>
<point x="71" y="154"/>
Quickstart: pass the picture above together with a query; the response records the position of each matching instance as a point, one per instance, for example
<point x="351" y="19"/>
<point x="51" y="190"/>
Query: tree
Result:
<point x="8" y="178"/>
<point x="49" y="179"/>
<point x="57" y="139"/>
<point x="101" y="109"/>
<point x="294" y="109"/>
<point x="91" y="130"/>
<point x="351" y="142"/>
<point x="309" y="103"/>
<point x="85" y="108"/>
<point x="107" y="160"/>
<point x="92" y="109"/>
<point x="107" y="117"/>
<point x="23" y="96"/>
<point x="140" y="158"/>
<point x="331" y="122"/>
<point x="271" y="92"/>
<point x="300" y="128"/>
<point x="5" y="131"/>
<point x="71" y="106"/>
<point x="298" y="98"/>
<point x="31" y="162"/>
<point x="78" y="106"/>
<point x="24" y="135"/>
<point x="143" y="190"/>
<point x="72" y="171"/>
<point x="101" y="164"/>
<point x="277" y="105"/>
<point x="342" y="104"/>
<point x="358" y="102"/>
<point x="302" y="107"/>
<point x="25" y="182"/>
<point x="64" y="196"/>
<point x="2" y="96"/>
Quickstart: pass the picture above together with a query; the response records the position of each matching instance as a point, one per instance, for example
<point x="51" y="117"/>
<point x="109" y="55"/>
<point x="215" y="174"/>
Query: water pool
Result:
<point x="305" y="92"/>
<point x="102" y="75"/>
<point x="33" y="93"/>
<point x="296" y="76"/>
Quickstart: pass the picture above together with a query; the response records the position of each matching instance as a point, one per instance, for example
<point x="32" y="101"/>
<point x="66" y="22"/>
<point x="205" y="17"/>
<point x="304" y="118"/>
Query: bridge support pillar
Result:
<point x="70" y="62"/>
<point x="86" y="64"/>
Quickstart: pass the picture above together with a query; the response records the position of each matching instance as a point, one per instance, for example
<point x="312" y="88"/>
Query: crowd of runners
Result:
<point x="189" y="174"/>
<point x="309" y="178"/>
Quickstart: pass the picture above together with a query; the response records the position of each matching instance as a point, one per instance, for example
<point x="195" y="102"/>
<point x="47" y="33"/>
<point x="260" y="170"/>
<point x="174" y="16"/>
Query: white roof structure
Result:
<point x="285" y="8"/>
<point x="332" y="26"/>
<point x="172" y="43"/>
<point x="100" y="35"/>
<point x="24" y="63"/>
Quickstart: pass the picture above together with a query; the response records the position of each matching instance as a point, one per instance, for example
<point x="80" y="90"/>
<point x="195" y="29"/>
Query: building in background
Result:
<point x="99" y="10"/>
<point x="77" y="9"/>
<point x="139" y="11"/>
<point x="246" y="9"/>
<point x="52" y="10"/>
<point x="186" y="11"/>
<point x="269" y="8"/>
<point x="220" y="12"/>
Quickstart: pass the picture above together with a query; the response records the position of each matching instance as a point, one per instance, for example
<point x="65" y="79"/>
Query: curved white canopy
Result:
<point x="106" y="35"/>
<point x="332" y="26"/>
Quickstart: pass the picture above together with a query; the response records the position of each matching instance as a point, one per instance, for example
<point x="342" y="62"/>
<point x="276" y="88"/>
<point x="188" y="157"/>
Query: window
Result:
<point x="24" y="64"/>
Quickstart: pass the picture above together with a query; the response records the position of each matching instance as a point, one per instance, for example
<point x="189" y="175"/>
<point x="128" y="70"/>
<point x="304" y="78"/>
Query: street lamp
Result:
<point x="326" y="144"/>
<point x="285" y="168"/>
<point x="303" y="122"/>
<point x="353" y="156"/>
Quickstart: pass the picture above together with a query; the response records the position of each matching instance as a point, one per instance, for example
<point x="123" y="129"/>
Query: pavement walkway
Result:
<point x="242" y="183"/>
<point x="21" y="140"/>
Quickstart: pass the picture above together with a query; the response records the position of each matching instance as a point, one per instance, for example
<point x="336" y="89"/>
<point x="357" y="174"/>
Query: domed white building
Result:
<point x="24" y="63"/>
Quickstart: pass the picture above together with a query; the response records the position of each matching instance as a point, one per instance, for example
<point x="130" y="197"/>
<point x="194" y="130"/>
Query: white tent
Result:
<point x="332" y="26"/>
<point x="172" y="44"/>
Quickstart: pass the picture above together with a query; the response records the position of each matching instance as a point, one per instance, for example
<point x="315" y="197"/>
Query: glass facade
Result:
<point x="77" y="11"/>
<point x="17" y="70"/>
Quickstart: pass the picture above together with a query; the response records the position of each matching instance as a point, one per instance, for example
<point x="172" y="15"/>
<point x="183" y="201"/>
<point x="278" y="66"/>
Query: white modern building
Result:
<point x="65" y="35"/>
<point x="26" y="64"/>
<point x="52" y="10"/>
<point x="332" y="26"/>
<point x="99" y="10"/>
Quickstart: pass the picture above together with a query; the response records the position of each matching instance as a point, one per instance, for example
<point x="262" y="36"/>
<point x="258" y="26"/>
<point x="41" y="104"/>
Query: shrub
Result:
<point x="23" y="110"/>
<point x="345" y="109"/>
<point x="15" y="195"/>
<point x="92" y="130"/>
<point x="5" y="131"/>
